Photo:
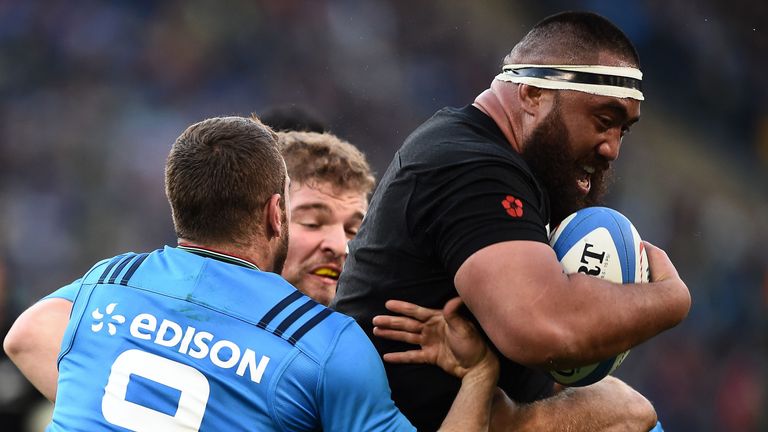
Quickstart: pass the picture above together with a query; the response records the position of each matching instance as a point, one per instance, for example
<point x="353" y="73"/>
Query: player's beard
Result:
<point x="549" y="154"/>
<point x="282" y="247"/>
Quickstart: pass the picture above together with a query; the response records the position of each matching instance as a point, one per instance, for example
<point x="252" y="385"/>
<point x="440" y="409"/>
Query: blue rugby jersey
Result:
<point x="172" y="340"/>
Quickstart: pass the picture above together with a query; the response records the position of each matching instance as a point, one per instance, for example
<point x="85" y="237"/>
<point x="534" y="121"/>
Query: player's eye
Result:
<point x="625" y="130"/>
<point x="604" y="123"/>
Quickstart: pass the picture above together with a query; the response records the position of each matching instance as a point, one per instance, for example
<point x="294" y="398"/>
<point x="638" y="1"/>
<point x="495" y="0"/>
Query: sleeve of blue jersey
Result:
<point x="67" y="292"/>
<point x="354" y="392"/>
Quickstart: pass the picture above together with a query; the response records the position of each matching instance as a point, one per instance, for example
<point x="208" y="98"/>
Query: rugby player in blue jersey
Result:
<point x="203" y="336"/>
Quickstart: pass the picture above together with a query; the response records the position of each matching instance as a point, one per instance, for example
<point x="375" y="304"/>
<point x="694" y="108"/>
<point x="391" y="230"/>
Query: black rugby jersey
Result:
<point x="453" y="188"/>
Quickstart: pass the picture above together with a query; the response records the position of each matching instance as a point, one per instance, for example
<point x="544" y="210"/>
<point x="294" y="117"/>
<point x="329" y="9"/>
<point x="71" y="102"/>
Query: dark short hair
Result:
<point x="324" y="157"/>
<point x="218" y="177"/>
<point x="573" y="38"/>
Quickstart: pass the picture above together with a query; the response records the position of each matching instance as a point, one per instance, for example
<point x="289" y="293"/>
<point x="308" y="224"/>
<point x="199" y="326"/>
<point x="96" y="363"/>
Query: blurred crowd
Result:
<point x="93" y="93"/>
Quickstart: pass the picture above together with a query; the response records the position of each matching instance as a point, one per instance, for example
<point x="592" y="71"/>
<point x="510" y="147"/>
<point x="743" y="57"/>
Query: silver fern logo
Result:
<point x="110" y="321"/>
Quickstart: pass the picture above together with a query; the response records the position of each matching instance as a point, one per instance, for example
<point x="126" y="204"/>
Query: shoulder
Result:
<point x="459" y="136"/>
<point x="323" y="330"/>
<point x="310" y="327"/>
<point x="449" y="124"/>
<point x="107" y="270"/>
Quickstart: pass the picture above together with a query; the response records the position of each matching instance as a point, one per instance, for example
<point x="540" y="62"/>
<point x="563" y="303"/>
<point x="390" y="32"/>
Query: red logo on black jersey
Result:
<point x="513" y="206"/>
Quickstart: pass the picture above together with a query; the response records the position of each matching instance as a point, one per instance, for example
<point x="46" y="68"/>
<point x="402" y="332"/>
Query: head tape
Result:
<point x="613" y="81"/>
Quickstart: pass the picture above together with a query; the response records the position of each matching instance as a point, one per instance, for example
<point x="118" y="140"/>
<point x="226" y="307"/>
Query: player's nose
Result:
<point x="611" y="145"/>
<point x="335" y="241"/>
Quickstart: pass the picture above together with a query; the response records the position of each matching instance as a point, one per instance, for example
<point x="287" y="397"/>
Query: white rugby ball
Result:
<point x="603" y="243"/>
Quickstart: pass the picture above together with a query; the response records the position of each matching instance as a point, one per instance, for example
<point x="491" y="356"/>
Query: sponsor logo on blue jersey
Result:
<point x="195" y="343"/>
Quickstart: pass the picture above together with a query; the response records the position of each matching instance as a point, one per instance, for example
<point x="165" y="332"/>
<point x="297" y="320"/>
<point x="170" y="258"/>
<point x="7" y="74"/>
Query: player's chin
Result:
<point x="319" y="288"/>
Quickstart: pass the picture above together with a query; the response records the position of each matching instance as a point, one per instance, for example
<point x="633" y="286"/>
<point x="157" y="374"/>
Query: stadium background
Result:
<point x="94" y="93"/>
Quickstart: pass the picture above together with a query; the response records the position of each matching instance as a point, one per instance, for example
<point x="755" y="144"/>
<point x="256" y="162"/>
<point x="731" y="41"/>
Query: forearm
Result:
<point x="608" y="405"/>
<point x="538" y="316"/>
<point x="581" y="320"/>
<point x="605" y="318"/>
<point x="471" y="410"/>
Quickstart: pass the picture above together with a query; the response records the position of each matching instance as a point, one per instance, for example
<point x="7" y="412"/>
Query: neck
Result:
<point x="492" y="102"/>
<point x="246" y="253"/>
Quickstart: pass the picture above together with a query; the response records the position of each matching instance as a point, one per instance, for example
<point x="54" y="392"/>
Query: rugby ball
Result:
<point x="600" y="242"/>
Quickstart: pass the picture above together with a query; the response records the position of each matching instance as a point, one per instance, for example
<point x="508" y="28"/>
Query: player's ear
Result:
<point x="273" y="217"/>
<point x="530" y="98"/>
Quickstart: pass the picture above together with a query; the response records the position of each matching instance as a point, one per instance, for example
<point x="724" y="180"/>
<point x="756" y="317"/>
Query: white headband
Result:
<point x="613" y="81"/>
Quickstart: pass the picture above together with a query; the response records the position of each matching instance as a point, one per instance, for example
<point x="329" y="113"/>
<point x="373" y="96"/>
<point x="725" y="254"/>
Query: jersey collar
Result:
<point x="220" y="256"/>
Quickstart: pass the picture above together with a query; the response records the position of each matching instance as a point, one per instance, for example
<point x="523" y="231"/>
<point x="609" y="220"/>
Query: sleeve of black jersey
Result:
<point x="477" y="206"/>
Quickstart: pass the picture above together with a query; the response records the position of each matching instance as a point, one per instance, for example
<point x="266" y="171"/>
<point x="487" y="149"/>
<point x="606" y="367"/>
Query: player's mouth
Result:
<point x="584" y="182"/>
<point x="328" y="274"/>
